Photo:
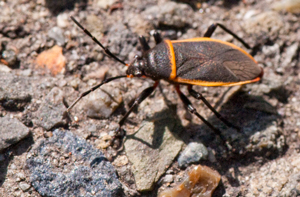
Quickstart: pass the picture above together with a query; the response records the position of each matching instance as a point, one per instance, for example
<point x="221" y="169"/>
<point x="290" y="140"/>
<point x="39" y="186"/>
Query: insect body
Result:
<point x="197" y="61"/>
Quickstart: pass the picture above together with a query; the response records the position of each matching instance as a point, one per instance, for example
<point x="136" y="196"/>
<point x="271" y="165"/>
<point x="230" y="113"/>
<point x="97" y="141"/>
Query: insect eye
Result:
<point x="138" y="73"/>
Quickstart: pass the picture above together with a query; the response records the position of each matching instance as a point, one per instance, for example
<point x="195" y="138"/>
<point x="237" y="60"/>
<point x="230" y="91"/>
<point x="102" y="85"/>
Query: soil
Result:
<point x="268" y="111"/>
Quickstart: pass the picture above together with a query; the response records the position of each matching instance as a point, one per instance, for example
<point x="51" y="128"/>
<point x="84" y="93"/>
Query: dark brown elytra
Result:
<point x="197" y="61"/>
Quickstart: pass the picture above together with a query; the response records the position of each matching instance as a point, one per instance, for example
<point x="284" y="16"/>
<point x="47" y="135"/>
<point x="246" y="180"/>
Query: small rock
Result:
<point x="104" y="141"/>
<point x="121" y="161"/>
<point x="53" y="59"/>
<point x="24" y="186"/>
<point x="11" y="131"/>
<point x="20" y="177"/>
<point x="194" y="152"/>
<point x="51" y="112"/>
<point x="10" y="58"/>
<point x="62" y="20"/>
<point x="169" y="178"/>
<point x="56" y="33"/>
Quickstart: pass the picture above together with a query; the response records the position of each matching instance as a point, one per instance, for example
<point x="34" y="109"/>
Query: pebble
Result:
<point x="194" y="152"/>
<point x="53" y="59"/>
<point x="24" y="186"/>
<point x="62" y="20"/>
<point x="20" y="177"/>
<point x="56" y="33"/>
<point x="169" y="178"/>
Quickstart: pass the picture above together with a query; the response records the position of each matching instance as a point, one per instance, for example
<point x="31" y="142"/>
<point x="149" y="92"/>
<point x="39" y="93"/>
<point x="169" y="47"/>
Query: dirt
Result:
<point x="268" y="111"/>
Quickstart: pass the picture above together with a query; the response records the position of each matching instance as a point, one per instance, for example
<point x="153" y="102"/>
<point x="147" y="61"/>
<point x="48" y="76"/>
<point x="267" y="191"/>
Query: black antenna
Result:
<point x="106" y="50"/>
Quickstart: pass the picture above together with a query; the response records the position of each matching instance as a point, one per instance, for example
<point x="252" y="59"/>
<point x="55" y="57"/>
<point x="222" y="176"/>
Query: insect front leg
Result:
<point x="144" y="94"/>
<point x="93" y="89"/>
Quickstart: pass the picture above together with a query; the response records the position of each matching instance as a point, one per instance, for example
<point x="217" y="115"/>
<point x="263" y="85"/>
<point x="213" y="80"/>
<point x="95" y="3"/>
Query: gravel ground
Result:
<point x="47" y="61"/>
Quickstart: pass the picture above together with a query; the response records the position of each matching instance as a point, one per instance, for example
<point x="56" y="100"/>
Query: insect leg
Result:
<point x="106" y="50"/>
<point x="144" y="94"/>
<point x="213" y="27"/>
<point x="192" y="110"/>
<point x="144" y="43"/>
<point x="157" y="37"/>
<point x="92" y="89"/>
<point x="199" y="96"/>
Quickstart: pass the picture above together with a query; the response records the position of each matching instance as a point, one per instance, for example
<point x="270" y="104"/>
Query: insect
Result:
<point x="199" y="61"/>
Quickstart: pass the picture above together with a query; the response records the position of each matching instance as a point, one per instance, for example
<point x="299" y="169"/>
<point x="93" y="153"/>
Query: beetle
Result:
<point x="199" y="61"/>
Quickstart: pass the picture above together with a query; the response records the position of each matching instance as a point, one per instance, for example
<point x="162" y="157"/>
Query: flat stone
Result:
<point x="152" y="149"/>
<point x="11" y="131"/>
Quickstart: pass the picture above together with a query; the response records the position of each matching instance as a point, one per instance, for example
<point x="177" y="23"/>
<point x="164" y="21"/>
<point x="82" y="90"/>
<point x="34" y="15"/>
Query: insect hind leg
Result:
<point x="199" y="96"/>
<point x="193" y="110"/>
<point x="214" y="26"/>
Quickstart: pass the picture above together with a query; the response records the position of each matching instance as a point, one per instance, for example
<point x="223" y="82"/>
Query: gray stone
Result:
<point x="81" y="169"/>
<point x="56" y="33"/>
<point x="10" y="56"/>
<point x="11" y="131"/>
<point x="15" y="91"/>
<point x="51" y="112"/>
<point x="194" y="152"/>
<point x="24" y="186"/>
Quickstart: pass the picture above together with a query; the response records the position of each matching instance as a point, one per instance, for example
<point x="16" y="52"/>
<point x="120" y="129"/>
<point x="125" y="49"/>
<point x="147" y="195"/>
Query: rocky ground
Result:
<point x="47" y="61"/>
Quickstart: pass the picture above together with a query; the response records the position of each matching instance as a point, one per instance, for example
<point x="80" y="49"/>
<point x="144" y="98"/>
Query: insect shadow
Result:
<point x="251" y="113"/>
